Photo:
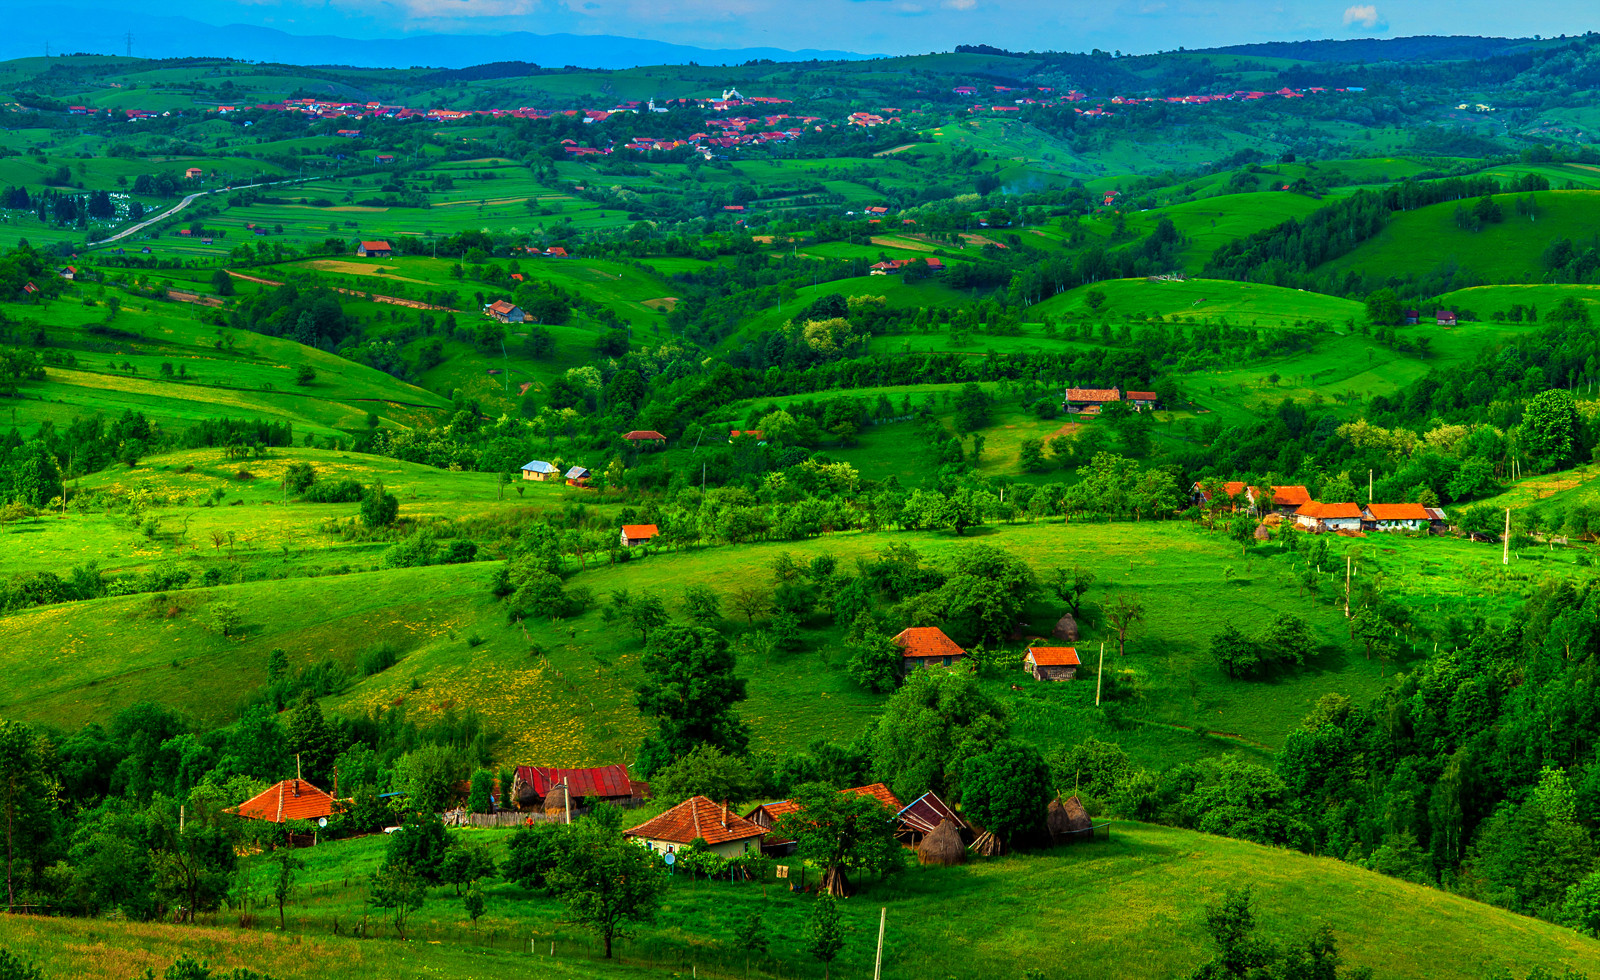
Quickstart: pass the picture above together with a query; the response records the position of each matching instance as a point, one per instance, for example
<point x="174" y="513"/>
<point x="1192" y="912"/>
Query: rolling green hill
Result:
<point x="1148" y="886"/>
<point x="1417" y="242"/>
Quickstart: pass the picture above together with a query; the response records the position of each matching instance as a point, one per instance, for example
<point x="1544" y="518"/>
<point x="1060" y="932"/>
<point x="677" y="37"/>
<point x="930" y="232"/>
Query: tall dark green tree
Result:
<point x="690" y="690"/>
<point x="1006" y="791"/>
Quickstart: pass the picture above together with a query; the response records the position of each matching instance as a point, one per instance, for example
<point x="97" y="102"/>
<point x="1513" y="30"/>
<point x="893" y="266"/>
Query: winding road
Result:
<point x="132" y="229"/>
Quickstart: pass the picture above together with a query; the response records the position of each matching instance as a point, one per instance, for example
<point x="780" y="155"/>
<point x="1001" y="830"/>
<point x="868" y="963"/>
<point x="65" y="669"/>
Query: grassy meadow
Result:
<point x="1147" y="885"/>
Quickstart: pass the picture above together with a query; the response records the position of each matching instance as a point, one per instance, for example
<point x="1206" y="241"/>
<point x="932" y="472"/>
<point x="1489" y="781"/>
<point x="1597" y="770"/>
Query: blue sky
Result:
<point x="902" y="26"/>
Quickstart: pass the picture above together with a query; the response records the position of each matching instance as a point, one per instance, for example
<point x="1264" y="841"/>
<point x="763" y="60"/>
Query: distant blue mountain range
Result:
<point x="101" y="31"/>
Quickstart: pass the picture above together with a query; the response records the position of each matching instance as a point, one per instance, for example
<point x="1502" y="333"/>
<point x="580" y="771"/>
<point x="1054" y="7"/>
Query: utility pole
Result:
<point x="1346" y="586"/>
<point x="1505" y="551"/>
<point x="1099" y="673"/>
<point x="1369" y="486"/>
<point x="877" y="964"/>
<point x="128" y="37"/>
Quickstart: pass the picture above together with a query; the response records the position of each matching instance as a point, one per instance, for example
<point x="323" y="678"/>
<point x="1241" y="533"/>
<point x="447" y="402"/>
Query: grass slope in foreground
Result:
<point x="1131" y="908"/>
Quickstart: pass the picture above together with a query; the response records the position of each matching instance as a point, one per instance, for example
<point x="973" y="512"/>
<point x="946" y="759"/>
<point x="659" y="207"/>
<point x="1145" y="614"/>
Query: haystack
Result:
<point x="1066" y="629"/>
<point x="1067" y="819"/>
<point x="943" y="846"/>
<point x="1262" y="534"/>
<point x="556" y="800"/>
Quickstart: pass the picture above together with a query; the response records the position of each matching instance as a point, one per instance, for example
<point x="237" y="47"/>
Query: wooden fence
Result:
<point x="519" y="818"/>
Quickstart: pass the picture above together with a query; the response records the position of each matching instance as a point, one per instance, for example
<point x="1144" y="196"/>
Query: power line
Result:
<point x="128" y="37"/>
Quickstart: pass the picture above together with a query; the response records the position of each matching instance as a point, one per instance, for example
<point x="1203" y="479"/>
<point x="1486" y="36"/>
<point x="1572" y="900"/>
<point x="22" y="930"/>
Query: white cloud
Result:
<point x="1361" y="15"/>
<point x="959" y="4"/>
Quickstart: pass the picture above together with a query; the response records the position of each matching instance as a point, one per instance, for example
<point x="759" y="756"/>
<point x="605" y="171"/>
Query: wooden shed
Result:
<point x="922" y="816"/>
<point x="1052" y="663"/>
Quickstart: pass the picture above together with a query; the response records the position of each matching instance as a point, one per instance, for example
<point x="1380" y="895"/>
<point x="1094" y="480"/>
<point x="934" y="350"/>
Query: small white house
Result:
<point x="1397" y="517"/>
<point x="1329" y="517"/>
<point x="726" y="833"/>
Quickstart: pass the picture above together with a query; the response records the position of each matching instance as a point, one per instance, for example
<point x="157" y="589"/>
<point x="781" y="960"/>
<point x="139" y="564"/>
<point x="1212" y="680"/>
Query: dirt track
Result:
<point x="414" y="304"/>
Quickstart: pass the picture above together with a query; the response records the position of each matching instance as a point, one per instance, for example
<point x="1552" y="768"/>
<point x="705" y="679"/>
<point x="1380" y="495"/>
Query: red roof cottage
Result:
<point x="1396" y="517"/>
<point x="634" y="535"/>
<point x="644" y="436"/>
<point x="374" y="250"/>
<point x="533" y="783"/>
<point x="1052" y="663"/>
<point x="1329" y="517"/>
<point x="726" y="833"/>
<point x="1088" y="401"/>
<point x="927" y="646"/>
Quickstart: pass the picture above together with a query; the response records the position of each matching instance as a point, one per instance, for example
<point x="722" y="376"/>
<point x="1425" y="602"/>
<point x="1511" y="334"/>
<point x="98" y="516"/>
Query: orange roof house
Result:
<point x="1397" y="517"/>
<point x="637" y="534"/>
<point x="644" y="435"/>
<point x="1292" y="498"/>
<point x="375" y="250"/>
<point x="927" y="646"/>
<point x="1329" y="517"/>
<point x="726" y="833"/>
<point x="292" y="799"/>
<point x="1080" y="401"/>
<point x="1052" y="663"/>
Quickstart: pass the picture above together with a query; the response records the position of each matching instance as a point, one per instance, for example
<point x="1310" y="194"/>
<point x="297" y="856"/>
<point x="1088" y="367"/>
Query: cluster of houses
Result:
<point x="1442" y="318"/>
<point x="1348" y="518"/>
<point x="928" y="646"/>
<point x="894" y="267"/>
<point x="1089" y="402"/>
<point x="1047" y="96"/>
<point x="543" y="472"/>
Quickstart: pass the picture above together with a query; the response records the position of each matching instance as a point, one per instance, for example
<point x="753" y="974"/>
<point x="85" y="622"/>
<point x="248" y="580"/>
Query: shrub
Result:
<point x="379" y="659"/>
<point x="333" y="492"/>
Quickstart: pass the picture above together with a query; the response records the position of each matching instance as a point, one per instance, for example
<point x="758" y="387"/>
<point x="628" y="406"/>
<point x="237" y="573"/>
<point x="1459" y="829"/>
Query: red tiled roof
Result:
<point x="1054" y="656"/>
<point x="643" y="434"/>
<point x="1144" y="396"/>
<point x="1398" y="512"/>
<point x="1329" y="511"/>
<point x="632" y="531"/>
<point x="609" y="781"/>
<point x="381" y="246"/>
<point x="292" y="799"/>
<point x="697" y="817"/>
<point x="501" y="306"/>
<point x="1093" y="395"/>
<point x="1290" y="496"/>
<point x="926" y="641"/>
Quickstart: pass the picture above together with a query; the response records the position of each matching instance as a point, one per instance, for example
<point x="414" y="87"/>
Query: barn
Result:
<point x="533" y="784"/>
<point x="375" y="250"/>
<point x="1052" y="663"/>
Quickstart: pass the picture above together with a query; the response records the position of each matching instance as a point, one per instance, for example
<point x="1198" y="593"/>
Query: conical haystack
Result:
<point x="1067" y="819"/>
<point x="1066" y="629"/>
<point x="556" y="800"/>
<point x="943" y="846"/>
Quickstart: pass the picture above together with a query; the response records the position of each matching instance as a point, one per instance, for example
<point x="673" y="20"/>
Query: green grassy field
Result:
<point x="574" y="704"/>
<point x="1241" y="304"/>
<point x="1416" y="242"/>
<point x="1147" y="886"/>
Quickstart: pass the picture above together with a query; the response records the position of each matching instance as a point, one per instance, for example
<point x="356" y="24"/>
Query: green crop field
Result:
<point x="1241" y="304"/>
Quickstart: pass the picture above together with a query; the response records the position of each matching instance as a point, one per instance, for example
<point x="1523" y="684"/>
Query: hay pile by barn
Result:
<point x="1066" y="629"/>
<point x="555" y="801"/>
<point x="944" y="846"/>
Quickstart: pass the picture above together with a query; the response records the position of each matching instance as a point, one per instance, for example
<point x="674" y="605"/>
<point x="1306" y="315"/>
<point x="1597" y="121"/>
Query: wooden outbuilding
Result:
<point x="634" y="535"/>
<point x="533" y="784"/>
<point x="375" y="250"/>
<point x="1052" y="663"/>
<point x="922" y="816"/>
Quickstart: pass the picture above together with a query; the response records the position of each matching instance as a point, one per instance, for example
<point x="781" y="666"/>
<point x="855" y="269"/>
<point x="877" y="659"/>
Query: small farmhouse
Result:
<point x="1445" y="318"/>
<point x="291" y="799"/>
<point x="634" y="535"/>
<point x="505" y="311"/>
<point x="538" y="469"/>
<point x="927" y="646"/>
<point x="1141" y="400"/>
<point x="1089" y="401"/>
<point x="1396" y="517"/>
<point x="1052" y="663"/>
<point x="1329" y="517"/>
<point x="68" y="272"/>
<point x="374" y="250"/>
<point x="726" y="834"/>
<point x="645" y="437"/>
<point x="193" y="173"/>
<point x="578" y="476"/>
<point x="1234" y="489"/>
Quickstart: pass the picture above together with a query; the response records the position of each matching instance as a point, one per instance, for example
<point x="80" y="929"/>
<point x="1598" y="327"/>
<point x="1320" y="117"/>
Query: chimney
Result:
<point x="724" y="814"/>
<point x="297" y="787"/>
